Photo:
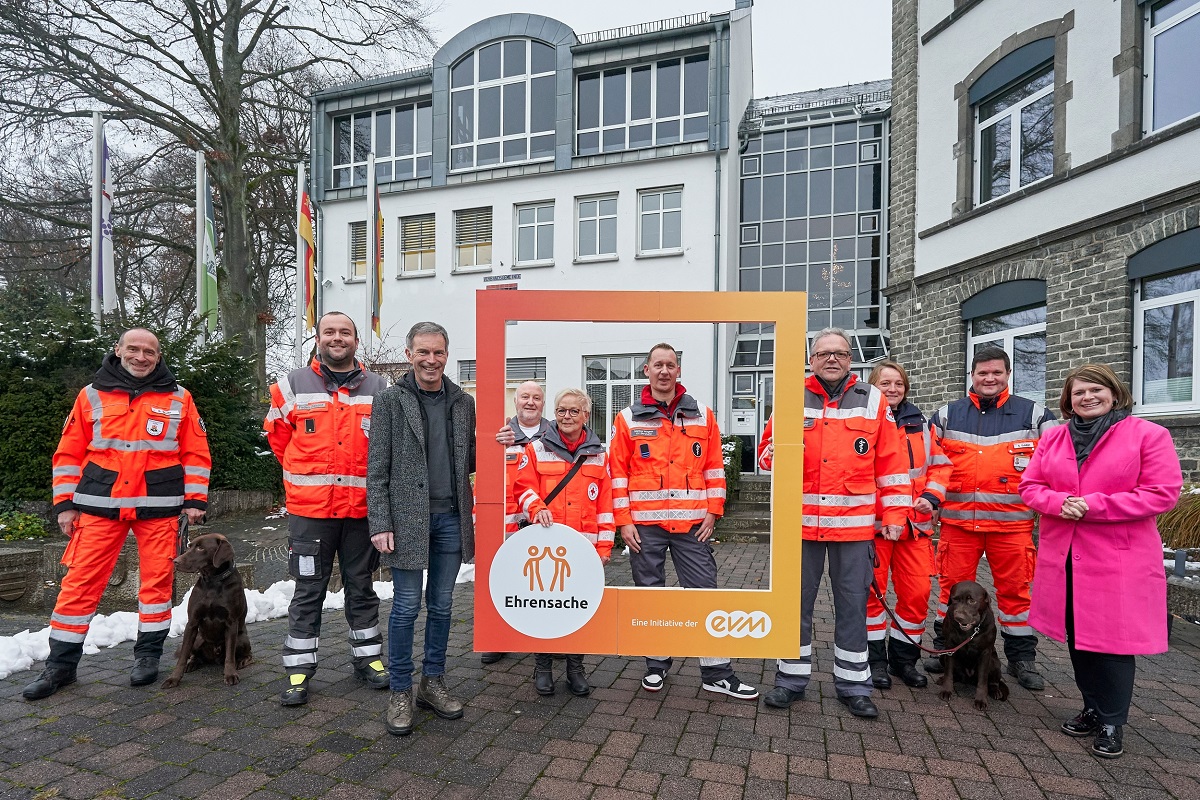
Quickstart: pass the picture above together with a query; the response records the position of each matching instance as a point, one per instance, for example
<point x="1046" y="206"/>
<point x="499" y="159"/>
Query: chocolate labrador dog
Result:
<point x="216" y="626"/>
<point x="969" y="619"/>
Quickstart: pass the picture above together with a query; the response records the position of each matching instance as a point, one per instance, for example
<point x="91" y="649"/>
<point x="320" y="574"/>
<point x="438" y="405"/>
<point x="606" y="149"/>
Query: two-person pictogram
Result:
<point x="533" y="568"/>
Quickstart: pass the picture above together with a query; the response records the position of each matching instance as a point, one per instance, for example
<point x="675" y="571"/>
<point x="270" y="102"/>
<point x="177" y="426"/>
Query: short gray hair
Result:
<point x="422" y="328"/>
<point x="572" y="392"/>
<point x="821" y="334"/>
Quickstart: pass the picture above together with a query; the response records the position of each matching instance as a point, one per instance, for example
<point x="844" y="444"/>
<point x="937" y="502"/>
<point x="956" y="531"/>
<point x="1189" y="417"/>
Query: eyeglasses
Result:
<point x="568" y="412"/>
<point x="830" y="355"/>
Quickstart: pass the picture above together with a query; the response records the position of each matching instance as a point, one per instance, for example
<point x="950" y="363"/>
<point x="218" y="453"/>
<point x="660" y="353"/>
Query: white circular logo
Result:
<point x="547" y="582"/>
<point x="593" y="491"/>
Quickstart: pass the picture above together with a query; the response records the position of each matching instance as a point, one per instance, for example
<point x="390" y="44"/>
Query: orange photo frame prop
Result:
<point x="629" y="619"/>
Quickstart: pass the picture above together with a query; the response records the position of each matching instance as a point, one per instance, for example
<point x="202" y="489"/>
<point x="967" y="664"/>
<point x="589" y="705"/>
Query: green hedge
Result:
<point x="49" y="350"/>
<point x="732" y="446"/>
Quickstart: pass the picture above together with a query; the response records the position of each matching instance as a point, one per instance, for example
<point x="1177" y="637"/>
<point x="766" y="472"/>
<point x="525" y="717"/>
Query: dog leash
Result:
<point x="899" y="627"/>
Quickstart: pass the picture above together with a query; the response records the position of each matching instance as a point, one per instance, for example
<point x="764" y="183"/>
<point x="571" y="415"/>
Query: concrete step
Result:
<point x="755" y="496"/>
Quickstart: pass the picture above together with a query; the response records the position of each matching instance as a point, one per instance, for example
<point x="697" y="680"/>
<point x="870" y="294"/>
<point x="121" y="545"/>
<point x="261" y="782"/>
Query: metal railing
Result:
<point x="754" y="115"/>
<point x="644" y="28"/>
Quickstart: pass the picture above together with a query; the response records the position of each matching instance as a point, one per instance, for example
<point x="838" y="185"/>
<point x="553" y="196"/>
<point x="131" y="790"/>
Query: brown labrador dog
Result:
<point x="969" y="618"/>
<point x="216" y="626"/>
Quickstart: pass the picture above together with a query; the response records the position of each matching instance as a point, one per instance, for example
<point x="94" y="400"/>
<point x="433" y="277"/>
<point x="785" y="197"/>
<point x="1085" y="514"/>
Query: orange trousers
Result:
<point x="90" y="557"/>
<point x="1011" y="557"/>
<point x="910" y="562"/>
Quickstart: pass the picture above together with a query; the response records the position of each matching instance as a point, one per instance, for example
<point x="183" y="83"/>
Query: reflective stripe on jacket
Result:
<point x="988" y="450"/>
<point x="319" y="432"/>
<point x="667" y="472"/>
<point x="585" y="504"/>
<point x="513" y="515"/>
<point x="853" y="459"/>
<point x="928" y="467"/>
<point x="132" y="457"/>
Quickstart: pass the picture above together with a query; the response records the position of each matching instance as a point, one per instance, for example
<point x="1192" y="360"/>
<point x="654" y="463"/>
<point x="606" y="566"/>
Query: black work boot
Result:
<point x="576" y="679"/>
<point x="59" y="670"/>
<point x="543" y="673"/>
<point x="147" y="650"/>
<point x="933" y="664"/>
<point x="877" y="659"/>
<point x="902" y="662"/>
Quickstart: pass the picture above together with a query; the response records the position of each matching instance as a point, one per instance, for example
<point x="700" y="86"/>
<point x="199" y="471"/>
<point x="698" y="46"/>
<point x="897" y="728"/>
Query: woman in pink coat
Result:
<point x="1098" y="482"/>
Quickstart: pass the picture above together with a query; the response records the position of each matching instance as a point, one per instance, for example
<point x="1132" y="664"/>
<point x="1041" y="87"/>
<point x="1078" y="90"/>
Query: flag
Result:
<point x="206" y="249"/>
<point x="374" y="250"/>
<point x="104" y="275"/>
<point x="306" y="259"/>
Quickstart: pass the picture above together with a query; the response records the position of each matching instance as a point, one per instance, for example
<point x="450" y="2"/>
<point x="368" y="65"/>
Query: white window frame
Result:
<point x="426" y="256"/>
<point x="1140" y="307"/>
<point x="460" y="244"/>
<point x="1005" y="341"/>
<point x="1152" y="33"/>
<point x="594" y="223"/>
<point x="356" y="264"/>
<point x="476" y="85"/>
<point x="637" y="380"/>
<point x="539" y="259"/>
<point x="659" y="212"/>
<point x="376" y="146"/>
<point x="653" y="120"/>
<point x="1013" y="112"/>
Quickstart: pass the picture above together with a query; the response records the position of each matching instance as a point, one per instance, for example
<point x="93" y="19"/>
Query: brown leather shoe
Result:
<point x="433" y="695"/>
<point x="399" y="715"/>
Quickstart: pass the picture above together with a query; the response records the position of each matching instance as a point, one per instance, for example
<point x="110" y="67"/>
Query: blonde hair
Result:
<point x="572" y="392"/>
<point x="1095" y="373"/>
<point x="877" y="374"/>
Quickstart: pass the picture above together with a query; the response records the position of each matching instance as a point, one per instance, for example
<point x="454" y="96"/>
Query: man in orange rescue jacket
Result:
<point x="133" y="455"/>
<point x="668" y="482"/>
<point x="853" y="458"/>
<point x="318" y="427"/>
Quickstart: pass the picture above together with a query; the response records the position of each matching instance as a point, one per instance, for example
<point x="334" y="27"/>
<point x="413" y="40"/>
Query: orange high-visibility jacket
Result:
<point x="853" y="458"/>
<point x="765" y="459"/>
<point x="928" y="467"/>
<point x="989" y="447"/>
<point x="319" y="432"/>
<point x="513" y="515"/>
<point x="666" y="471"/>
<point x="132" y="457"/>
<point x="586" y="503"/>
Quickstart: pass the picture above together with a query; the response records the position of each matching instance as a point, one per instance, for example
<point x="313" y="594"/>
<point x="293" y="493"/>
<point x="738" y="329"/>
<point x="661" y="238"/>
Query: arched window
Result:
<point x="1011" y="316"/>
<point x="1166" y="290"/>
<point x="502" y="104"/>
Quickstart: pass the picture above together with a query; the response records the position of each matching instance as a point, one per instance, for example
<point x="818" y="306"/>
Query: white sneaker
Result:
<point x="732" y="687"/>
<point x="653" y="680"/>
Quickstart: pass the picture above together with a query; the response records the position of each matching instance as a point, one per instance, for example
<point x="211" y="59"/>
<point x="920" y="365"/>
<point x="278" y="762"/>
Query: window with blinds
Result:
<point x="517" y="370"/>
<point x="473" y="238"/>
<point x="358" y="250"/>
<point x="417" y="245"/>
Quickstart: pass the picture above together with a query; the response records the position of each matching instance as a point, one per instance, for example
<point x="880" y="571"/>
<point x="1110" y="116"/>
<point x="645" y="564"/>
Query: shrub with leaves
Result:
<point x="1180" y="527"/>
<point x="16" y="526"/>
<point x="731" y="446"/>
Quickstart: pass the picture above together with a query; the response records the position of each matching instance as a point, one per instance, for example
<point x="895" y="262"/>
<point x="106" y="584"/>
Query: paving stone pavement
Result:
<point x="102" y="738"/>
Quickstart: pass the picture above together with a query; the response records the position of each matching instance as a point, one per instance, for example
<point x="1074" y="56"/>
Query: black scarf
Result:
<point x="1085" y="433"/>
<point x="112" y="377"/>
<point x="834" y="390"/>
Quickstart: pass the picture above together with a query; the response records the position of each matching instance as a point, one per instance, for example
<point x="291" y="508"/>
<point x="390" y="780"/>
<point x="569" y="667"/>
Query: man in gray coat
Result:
<point x="419" y="505"/>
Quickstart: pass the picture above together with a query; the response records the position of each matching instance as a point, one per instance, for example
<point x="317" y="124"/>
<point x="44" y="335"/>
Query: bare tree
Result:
<point x="226" y="77"/>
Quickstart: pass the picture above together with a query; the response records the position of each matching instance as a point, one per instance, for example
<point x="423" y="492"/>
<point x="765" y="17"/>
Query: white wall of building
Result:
<point x="1091" y="119"/>
<point x="449" y="298"/>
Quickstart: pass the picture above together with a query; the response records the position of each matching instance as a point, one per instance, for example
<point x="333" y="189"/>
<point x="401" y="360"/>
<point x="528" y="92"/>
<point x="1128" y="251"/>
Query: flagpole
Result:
<point x="372" y="252"/>
<point x="301" y="270"/>
<point x="200" y="267"/>
<point x="97" y="241"/>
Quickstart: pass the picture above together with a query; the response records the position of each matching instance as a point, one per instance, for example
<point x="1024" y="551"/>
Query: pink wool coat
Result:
<point x="1120" y="586"/>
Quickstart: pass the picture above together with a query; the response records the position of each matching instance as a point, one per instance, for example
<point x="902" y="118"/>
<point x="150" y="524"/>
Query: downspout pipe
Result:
<point x="722" y="67"/>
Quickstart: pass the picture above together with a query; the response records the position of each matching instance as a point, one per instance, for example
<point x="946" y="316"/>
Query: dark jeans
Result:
<point x="445" y="557"/>
<point x="1104" y="679"/>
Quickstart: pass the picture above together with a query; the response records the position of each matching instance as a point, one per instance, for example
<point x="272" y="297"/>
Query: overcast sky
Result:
<point x="798" y="44"/>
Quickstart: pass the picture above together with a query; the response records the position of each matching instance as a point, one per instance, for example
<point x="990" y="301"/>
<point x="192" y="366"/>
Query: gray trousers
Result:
<point x="851" y="567"/>
<point x="696" y="568"/>
<point x="313" y="544"/>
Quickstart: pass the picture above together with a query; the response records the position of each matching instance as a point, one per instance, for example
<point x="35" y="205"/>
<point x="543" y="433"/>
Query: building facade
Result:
<point x="1045" y="197"/>
<point x="528" y="157"/>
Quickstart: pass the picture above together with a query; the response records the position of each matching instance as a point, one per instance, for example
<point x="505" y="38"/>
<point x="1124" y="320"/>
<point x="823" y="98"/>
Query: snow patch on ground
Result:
<point x="22" y="651"/>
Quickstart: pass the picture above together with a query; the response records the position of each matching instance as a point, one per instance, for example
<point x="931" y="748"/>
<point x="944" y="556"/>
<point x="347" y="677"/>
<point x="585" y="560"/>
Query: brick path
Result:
<point x="101" y="738"/>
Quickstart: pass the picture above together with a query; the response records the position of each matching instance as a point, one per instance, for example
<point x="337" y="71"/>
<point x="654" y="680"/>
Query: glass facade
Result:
<point x="402" y="138"/>
<point x="812" y="203"/>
